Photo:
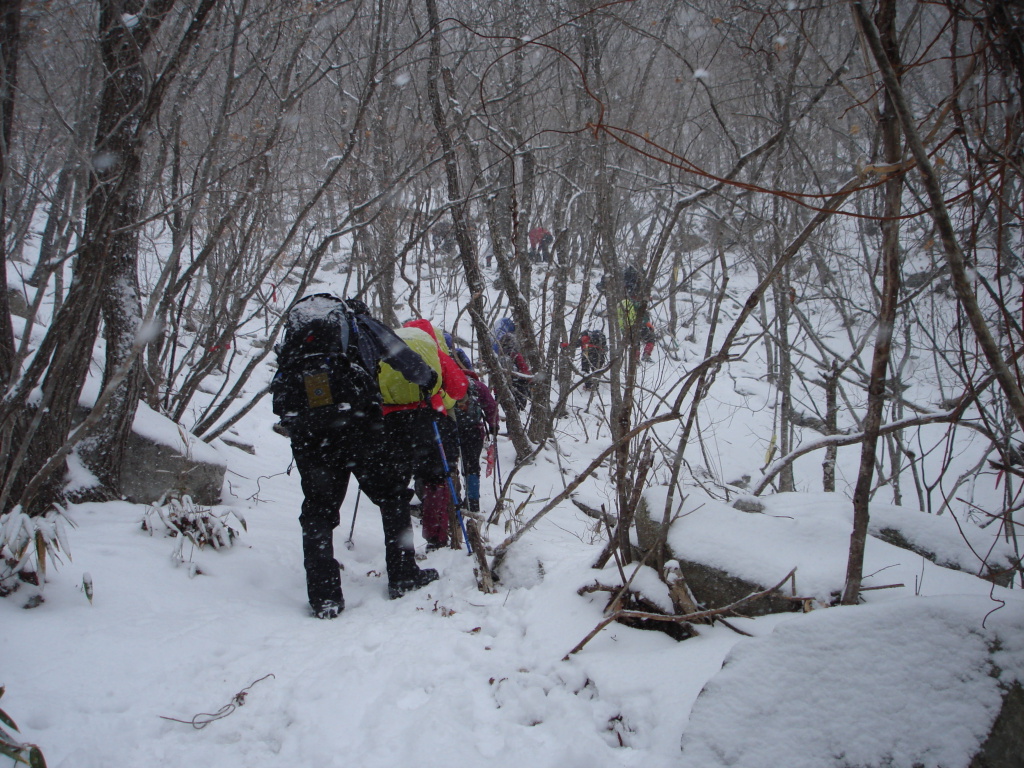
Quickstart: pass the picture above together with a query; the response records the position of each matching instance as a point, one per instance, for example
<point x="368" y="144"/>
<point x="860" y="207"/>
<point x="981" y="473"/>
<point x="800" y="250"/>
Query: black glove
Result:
<point x="432" y="382"/>
<point x="425" y="394"/>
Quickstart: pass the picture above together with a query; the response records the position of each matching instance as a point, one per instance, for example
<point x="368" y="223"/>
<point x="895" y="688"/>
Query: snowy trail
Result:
<point x="443" y="675"/>
<point x="448" y="676"/>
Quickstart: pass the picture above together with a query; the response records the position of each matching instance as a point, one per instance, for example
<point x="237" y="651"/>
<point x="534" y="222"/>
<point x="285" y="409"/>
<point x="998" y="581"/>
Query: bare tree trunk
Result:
<point x="783" y="309"/>
<point x="893" y="190"/>
<point x="828" y="466"/>
<point x="10" y="36"/>
<point x="467" y="248"/>
<point x="103" y="451"/>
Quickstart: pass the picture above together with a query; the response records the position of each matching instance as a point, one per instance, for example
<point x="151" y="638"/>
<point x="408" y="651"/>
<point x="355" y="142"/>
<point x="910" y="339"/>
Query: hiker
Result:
<point x="325" y="393"/>
<point x="506" y="345"/>
<point x="518" y="370"/>
<point x="442" y="238"/>
<point x="477" y="417"/>
<point x="594" y="351"/>
<point x="439" y="521"/>
<point x="637" y="328"/>
<point x="540" y="245"/>
<point x="410" y="414"/>
<point x="502" y="328"/>
<point x="632" y="282"/>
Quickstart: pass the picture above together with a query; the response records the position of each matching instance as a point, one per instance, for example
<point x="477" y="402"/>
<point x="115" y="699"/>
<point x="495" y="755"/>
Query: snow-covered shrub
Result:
<point x="185" y="520"/>
<point x="19" y="752"/>
<point x="27" y="543"/>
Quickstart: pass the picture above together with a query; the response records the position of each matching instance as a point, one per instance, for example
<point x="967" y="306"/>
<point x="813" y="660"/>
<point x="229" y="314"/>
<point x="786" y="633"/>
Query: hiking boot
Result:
<point x="421" y="578"/>
<point x="435" y="545"/>
<point x="329" y="609"/>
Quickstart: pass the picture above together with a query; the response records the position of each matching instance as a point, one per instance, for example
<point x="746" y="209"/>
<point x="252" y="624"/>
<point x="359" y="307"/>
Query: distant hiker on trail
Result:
<point x="540" y="245"/>
<point x="409" y="416"/>
<point x="477" y="418"/>
<point x="442" y="238"/>
<point x="506" y="345"/>
<point x="325" y="393"/>
<point x="594" y="348"/>
<point x="632" y="282"/>
<point x="638" y="332"/>
<point x="637" y="329"/>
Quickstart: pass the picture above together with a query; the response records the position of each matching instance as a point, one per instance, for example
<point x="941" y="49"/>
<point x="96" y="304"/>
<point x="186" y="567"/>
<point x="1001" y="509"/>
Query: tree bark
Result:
<point x="893" y="190"/>
<point x="10" y="37"/>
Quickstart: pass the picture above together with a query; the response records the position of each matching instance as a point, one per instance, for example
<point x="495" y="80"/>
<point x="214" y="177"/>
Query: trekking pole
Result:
<point x="350" y="544"/>
<point x="451" y="484"/>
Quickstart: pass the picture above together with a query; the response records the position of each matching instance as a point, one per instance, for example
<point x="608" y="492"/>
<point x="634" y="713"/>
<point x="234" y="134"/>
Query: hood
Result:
<point x="428" y="327"/>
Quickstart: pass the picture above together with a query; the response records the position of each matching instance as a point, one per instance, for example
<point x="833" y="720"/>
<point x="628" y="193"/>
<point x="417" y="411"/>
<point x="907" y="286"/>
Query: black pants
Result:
<point x="471" y="444"/>
<point x="520" y="392"/>
<point x="593" y="359"/>
<point x="325" y="460"/>
<point x="414" y="445"/>
<point x="417" y="457"/>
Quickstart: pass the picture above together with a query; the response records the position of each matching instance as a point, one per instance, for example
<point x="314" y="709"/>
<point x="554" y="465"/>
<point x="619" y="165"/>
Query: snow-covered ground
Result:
<point x="450" y="676"/>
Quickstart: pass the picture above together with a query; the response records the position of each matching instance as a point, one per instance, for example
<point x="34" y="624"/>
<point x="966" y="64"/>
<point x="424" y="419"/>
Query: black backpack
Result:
<point x="322" y="381"/>
<point x="468" y="410"/>
<point x="597" y="339"/>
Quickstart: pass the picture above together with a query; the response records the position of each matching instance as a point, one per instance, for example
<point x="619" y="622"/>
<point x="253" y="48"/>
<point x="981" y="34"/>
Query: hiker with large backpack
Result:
<point x="477" y="417"/>
<point x="637" y="328"/>
<point x="409" y="420"/>
<point x="325" y="393"/>
<point x="594" y="347"/>
<point x="506" y="345"/>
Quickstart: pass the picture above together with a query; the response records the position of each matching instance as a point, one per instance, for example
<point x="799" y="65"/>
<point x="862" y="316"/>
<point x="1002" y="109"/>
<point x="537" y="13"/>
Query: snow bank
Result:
<point x="811" y="532"/>
<point x="908" y="682"/>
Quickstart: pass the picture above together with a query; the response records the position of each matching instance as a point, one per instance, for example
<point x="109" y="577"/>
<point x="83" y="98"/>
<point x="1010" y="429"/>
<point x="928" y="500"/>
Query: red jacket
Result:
<point x="536" y="235"/>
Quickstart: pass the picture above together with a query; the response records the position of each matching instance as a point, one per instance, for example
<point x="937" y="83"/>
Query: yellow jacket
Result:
<point x="629" y="316"/>
<point x="453" y="384"/>
<point x="398" y="390"/>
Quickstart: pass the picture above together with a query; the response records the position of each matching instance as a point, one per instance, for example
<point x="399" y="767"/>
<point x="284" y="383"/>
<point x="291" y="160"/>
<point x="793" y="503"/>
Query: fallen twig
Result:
<point x="203" y="719"/>
<point x="882" y="586"/>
